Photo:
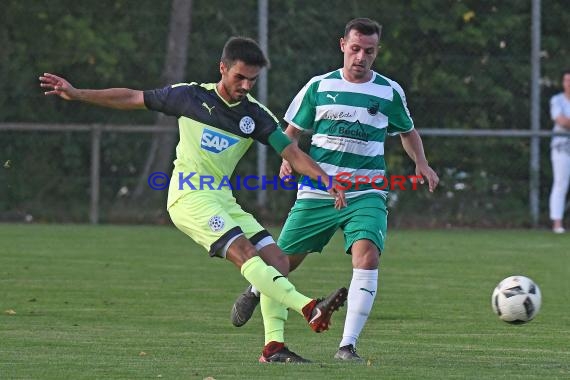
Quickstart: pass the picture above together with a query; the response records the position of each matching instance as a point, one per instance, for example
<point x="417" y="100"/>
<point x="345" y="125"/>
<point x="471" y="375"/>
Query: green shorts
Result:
<point x="312" y="223"/>
<point x="212" y="218"/>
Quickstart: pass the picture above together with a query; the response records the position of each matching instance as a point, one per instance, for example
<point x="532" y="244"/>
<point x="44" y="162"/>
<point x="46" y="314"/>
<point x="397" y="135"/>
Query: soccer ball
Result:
<point x="516" y="299"/>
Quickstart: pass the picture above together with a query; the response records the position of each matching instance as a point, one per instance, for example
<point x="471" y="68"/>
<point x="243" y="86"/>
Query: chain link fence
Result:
<point x="465" y="65"/>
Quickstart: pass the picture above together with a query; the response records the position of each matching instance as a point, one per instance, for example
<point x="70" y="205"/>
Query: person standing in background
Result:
<point x="560" y="154"/>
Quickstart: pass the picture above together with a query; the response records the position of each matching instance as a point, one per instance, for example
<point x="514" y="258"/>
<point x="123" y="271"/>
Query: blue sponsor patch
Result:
<point x="216" y="142"/>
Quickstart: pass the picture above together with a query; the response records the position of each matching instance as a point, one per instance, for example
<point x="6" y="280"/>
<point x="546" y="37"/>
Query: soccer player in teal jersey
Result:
<point x="350" y="111"/>
<point x="218" y="122"/>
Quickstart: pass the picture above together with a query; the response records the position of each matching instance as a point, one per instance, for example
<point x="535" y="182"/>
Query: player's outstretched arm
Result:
<point x="118" y="98"/>
<point x="293" y="133"/>
<point x="412" y="143"/>
<point x="304" y="164"/>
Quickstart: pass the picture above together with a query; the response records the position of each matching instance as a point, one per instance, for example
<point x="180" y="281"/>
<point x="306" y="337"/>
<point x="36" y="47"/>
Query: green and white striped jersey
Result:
<point x="350" y="122"/>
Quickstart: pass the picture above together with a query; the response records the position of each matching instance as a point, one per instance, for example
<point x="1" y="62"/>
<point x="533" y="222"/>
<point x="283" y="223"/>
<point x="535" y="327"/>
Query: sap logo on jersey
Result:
<point x="216" y="142"/>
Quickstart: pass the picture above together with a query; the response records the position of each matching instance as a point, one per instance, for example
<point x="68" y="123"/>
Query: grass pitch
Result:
<point x="82" y="302"/>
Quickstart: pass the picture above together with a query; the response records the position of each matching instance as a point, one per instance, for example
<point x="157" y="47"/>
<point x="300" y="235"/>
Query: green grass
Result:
<point x="145" y="302"/>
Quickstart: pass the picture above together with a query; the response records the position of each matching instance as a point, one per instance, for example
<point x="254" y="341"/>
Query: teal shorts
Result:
<point x="312" y="223"/>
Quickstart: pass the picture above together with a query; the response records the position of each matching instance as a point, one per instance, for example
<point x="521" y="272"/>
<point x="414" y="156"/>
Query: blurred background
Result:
<point x="465" y="66"/>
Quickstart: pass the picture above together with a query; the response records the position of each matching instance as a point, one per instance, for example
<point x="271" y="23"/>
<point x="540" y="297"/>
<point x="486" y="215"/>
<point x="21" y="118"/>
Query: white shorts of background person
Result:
<point x="560" y="157"/>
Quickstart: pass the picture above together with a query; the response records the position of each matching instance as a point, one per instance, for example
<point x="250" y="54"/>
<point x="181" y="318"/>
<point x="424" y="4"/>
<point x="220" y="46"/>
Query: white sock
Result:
<point x="254" y="290"/>
<point x="361" y="296"/>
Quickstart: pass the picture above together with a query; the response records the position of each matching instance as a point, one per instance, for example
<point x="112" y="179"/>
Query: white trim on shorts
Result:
<point x="260" y="244"/>
<point x="224" y="249"/>
<point x="264" y="242"/>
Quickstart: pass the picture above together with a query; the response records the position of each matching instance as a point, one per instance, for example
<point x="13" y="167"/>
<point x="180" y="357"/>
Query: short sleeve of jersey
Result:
<point x="399" y="118"/>
<point x="555" y="107"/>
<point x="267" y="127"/>
<point x="301" y="111"/>
<point x="170" y="100"/>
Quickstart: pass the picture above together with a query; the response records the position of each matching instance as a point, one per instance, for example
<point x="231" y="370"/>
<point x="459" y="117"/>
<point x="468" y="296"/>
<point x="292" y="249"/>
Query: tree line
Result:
<point x="463" y="64"/>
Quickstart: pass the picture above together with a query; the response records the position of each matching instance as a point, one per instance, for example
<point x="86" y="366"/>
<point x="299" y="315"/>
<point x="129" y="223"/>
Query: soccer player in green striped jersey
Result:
<point x="218" y="122"/>
<point x="351" y="111"/>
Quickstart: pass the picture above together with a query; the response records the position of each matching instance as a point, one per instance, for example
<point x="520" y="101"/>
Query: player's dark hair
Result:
<point x="565" y="72"/>
<point x="363" y="25"/>
<point x="243" y="49"/>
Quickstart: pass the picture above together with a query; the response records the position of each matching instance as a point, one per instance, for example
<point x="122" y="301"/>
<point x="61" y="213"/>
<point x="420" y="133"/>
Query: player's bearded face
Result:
<point x="237" y="80"/>
<point x="360" y="51"/>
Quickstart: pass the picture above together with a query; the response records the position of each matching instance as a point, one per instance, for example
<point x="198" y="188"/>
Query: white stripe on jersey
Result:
<point x="307" y="193"/>
<point x="351" y="114"/>
<point x="333" y="170"/>
<point x="348" y="145"/>
<point x="339" y="85"/>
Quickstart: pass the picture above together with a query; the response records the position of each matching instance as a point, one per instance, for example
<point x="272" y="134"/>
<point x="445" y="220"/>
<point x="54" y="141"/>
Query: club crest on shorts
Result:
<point x="246" y="125"/>
<point x="216" y="223"/>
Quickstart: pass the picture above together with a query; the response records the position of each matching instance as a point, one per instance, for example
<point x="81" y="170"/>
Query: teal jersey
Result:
<point x="214" y="135"/>
<point x="350" y="122"/>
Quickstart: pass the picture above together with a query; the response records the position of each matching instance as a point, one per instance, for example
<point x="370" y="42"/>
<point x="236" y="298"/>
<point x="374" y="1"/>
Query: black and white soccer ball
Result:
<point x="516" y="299"/>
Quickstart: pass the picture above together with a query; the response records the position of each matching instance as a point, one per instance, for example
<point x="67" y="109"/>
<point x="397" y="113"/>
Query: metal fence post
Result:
<point x="262" y="8"/>
<point x="534" y="164"/>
